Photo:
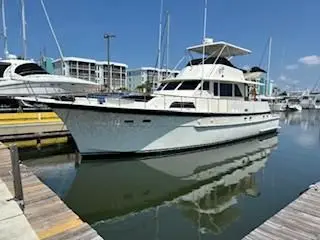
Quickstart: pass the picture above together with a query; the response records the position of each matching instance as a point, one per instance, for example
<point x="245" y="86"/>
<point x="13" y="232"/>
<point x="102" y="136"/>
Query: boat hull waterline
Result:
<point x="111" y="132"/>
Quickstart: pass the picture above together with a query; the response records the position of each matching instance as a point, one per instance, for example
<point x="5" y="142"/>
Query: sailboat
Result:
<point x="23" y="77"/>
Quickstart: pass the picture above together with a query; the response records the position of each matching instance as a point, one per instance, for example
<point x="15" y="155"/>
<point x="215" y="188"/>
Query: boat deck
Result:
<point x="299" y="220"/>
<point x="49" y="217"/>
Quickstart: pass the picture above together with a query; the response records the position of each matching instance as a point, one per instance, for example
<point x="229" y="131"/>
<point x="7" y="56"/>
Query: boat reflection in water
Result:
<point x="306" y="118"/>
<point x="201" y="185"/>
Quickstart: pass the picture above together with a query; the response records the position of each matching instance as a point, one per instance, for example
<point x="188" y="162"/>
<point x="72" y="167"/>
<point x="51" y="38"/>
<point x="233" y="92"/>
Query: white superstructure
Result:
<point x="209" y="102"/>
<point x="93" y="71"/>
<point x="25" y="78"/>
<point x="140" y="76"/>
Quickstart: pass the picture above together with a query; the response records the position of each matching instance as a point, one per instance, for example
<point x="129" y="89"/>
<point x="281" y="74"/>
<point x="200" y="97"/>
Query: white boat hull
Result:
<point x="278" y="107"/>
<point x="23" y="88"/>
<point x="100" y="132"/>
<point x="307" y="104"/>
<point x="282" y="107"/>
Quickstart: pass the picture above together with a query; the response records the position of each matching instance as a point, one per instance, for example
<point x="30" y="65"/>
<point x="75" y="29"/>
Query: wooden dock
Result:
<point x="49" y="217"/>
<point x="299" y="220"/>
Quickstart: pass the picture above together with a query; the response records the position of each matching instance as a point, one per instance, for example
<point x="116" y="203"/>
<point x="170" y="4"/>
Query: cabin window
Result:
<point x="3" y="67"/>
<point x="171" y="86"/>
<point x="161" y="86"/>
<point x="225" y="90"/>
<point x="182" y="105"/>
<point x="206" y="85"/>
<point x="215" y="89"/>
<point x="189" y="85"/>
<point x="237" y="92"/>
<point x="29" y="69"/>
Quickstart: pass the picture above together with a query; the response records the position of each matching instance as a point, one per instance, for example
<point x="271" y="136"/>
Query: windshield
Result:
<point x="30" y="69"/>
<point x="3" y="67"/>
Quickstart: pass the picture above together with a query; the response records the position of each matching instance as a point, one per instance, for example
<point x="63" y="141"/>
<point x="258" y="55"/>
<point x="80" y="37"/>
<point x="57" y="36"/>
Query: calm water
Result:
<point x="219" y="193"/>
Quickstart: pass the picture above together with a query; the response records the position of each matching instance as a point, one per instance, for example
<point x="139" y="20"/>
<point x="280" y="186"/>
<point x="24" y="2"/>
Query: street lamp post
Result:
<point x="107" y="37"/>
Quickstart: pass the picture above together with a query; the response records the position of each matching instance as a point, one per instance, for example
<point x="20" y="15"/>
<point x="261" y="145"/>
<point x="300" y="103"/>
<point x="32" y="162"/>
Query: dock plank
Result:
<point x="299" y="220"/>
<point x="47" y="214"/>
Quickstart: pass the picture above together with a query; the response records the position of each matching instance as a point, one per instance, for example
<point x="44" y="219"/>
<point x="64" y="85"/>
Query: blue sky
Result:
<point x="80" y="26"/>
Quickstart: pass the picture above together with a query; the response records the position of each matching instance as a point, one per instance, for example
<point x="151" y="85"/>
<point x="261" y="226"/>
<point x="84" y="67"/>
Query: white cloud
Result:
<point x="295" y="82"/>
<point x="292" y="67"/>
<point x="283" y="78"/>
<point x="310" y="60"/>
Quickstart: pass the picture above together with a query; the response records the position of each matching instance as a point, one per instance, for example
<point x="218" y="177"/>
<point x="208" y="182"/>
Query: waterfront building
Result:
<point x="47" y="64"/>
<point x="139" y="76"/>
<point x="266" y="87"/>
<point x="94" y="71"/>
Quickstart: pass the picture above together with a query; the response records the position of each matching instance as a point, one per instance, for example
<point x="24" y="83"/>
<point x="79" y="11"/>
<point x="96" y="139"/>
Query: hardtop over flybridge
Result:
<point x="206" y="104"/>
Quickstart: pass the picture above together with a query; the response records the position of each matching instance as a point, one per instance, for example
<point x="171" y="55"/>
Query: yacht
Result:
<point x="25" y="77"/>
<point x="310" y="101"/>
<point x="209" y="102"/>
<point x="283" y="103"/>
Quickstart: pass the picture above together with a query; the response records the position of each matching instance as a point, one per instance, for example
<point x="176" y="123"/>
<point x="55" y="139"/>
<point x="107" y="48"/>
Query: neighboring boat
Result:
<point x="282" y="103"/>
<point x="293" y="104"/>
<point x="206" y="104"/>
<point x="276" y="103"/>
<point x="317" y="102"/>
<point x="27" y="78"/>
<point x="309" y="101"/>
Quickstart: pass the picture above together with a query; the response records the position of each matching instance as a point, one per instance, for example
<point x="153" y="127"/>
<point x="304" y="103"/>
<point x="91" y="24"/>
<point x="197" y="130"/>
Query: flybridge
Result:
<point x="221" y="49"/>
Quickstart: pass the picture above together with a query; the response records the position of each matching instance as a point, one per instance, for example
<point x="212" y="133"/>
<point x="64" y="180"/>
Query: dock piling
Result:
<point x="17" y="183"/>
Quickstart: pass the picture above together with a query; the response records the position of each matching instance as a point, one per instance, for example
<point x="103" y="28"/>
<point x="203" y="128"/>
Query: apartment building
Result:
<point x="94" y="71"/>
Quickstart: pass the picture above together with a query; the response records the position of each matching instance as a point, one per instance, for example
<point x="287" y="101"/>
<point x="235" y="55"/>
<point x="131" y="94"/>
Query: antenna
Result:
<point x="268" y="70"/>
<point x="4" y="29"/>
<point x="54" y="35"/>
<point x="204" y="38"/>
<point x="24" y="38"/>
<point x="159" y="41"/>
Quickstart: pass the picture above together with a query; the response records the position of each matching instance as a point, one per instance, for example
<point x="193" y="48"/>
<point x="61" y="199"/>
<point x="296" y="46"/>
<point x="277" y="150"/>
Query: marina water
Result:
<point x="216" y="193"/>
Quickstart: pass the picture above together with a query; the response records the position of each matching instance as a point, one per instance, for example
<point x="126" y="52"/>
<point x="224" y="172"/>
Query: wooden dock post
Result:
<point x="18" y="191"/>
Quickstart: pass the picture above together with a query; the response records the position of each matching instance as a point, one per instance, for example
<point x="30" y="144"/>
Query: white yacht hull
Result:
<point x="278" y="107"/>
<point x="307" y="104"/>
<point x="282" y="107"/>
<point x="23" y="88"/>
<point x="126" y="131"/>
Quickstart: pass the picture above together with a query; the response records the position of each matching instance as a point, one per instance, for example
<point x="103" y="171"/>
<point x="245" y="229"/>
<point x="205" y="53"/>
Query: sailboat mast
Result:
<point x="24" y="37"/>
<point x="54" y="36"/>
<point x="204" y="38"/>
<point x="168" y="41"/>
<point x="268" y="70"/>
<point x="159" y="43"/>
<point x="4" y="29"/>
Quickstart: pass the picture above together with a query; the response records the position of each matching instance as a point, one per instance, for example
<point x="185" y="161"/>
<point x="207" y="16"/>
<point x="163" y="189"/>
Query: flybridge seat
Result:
<point x="223" y="61"/>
